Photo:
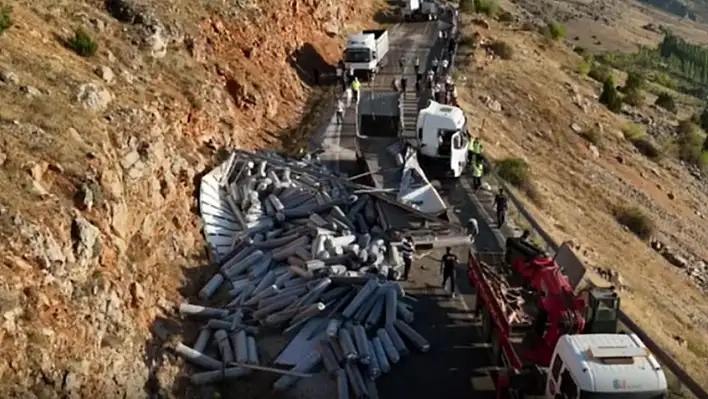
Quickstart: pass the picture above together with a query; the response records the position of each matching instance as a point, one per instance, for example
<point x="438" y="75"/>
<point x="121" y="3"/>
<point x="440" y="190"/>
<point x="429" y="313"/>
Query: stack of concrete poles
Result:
<point x="308" y="249"/>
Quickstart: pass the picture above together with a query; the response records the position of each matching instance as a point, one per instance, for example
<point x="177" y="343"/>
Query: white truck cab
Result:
<point x="604" y="366"/>
<point x="442" y="133"/>
<point x="366" y="51"/>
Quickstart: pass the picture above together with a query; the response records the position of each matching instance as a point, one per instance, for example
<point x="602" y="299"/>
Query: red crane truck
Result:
<point x="548" y="342"/>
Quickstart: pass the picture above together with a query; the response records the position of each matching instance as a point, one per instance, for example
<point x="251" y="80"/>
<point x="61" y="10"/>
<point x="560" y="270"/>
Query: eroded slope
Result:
<point x="99" y="158"/>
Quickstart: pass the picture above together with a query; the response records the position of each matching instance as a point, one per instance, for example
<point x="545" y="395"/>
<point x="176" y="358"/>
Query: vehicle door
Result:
<point x="457" y="154"/>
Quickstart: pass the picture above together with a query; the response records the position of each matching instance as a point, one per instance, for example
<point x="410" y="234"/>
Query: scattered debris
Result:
<point x="301" y="250"/>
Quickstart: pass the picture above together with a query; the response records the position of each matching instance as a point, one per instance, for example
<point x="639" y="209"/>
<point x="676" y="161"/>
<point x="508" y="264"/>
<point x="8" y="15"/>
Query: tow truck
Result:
<point x="548" y="342"/>
<point x="442" y="137"/>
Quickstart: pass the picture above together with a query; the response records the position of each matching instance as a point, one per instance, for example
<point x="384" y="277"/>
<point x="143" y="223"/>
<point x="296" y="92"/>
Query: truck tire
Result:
<point x="487" y="327"/>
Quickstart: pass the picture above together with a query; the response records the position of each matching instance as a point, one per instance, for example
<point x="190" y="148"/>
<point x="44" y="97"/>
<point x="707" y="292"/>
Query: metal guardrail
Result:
<point x="664" y="357"/>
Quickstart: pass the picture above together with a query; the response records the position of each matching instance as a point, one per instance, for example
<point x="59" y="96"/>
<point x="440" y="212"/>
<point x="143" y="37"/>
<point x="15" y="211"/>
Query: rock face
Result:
<point x="93" y="97"/>
<point x="100" y="157"/>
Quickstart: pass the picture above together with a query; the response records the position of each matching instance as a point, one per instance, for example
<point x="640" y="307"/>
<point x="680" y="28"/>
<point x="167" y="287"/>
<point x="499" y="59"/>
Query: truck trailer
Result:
<point x="365" y="52"/>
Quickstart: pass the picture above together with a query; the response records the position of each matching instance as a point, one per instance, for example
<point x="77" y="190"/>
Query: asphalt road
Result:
<point x="454" y="366"/>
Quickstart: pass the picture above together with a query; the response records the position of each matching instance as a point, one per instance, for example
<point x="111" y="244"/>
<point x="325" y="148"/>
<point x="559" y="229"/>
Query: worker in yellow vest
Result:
<point x="355" y="88"/>
<point x="474" y="150"/>
<point x="477" y="171"/>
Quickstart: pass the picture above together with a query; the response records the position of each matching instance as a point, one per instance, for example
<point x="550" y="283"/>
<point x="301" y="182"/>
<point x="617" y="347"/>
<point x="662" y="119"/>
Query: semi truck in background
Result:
<point x="365" y="52"/>
<point x="417" y="10"/>
<point x="442" y="137"/>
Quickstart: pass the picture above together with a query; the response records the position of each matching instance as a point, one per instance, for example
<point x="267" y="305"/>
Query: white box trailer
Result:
<point x="366" y="51"/>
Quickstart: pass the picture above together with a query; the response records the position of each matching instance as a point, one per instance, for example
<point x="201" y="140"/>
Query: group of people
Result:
<point x="351" y="87"/>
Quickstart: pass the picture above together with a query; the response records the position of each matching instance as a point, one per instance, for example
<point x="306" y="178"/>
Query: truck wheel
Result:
<point x="486" y="325"/>
<point x="495" y="353"/>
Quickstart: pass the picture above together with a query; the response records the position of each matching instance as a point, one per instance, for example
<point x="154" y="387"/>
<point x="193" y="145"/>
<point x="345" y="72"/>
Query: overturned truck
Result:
<point x="390" y="164"/>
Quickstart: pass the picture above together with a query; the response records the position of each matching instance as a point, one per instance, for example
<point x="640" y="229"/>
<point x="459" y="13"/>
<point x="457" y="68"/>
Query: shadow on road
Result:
<point x="448" y="370"/>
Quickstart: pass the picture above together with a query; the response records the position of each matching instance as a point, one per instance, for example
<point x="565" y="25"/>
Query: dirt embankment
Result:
<point x="99" y="159"/>
<point x="537" y="107"/>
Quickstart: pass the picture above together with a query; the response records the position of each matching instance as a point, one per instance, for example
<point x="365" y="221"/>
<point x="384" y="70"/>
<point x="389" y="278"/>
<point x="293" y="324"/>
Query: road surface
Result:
<point x="454" y="367"/>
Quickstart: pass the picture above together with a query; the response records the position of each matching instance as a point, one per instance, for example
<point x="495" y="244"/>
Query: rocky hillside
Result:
<point x="103" y="134"/>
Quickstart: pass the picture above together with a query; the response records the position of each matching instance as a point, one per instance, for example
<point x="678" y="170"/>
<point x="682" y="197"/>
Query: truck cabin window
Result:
<point x="624" y="395"/>
<point x="357" y="55"/>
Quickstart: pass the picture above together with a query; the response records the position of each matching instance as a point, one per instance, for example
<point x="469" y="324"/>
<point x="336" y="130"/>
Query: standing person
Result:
<point x="401" y="63"/>
<point x="404" y="81"/>
<point x="355" y="88"/>
<point x="417" y="65"/>
<point x="407" y="250"/>
<point x="448" y="263"/>
<point x="500" y="205"/>
<point x="474" y="149"/>
<point x="477" y="171"/>
<point x="340" y="76"/>
<point x="340" y="112"/>
<point x="435" y="63"/>
<point x="348" y="96"/>
<point x="445" y="64"/>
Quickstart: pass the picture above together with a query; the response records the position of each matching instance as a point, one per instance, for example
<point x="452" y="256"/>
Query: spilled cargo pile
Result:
<point x="306" y="254"/>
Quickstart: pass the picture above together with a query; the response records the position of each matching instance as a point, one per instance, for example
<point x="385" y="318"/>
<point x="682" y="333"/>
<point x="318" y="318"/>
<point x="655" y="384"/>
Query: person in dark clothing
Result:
<point x="404" y="81"/>
<point x="448" y="263"/>
<point x="407" y="250"/>
<point x="500" y="205"/>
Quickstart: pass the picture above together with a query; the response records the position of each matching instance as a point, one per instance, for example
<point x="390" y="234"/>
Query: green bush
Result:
<point x="513" y="170"/>
<point x="646" y="148"/>
<point x="636" y="221"/>
<point x="82" y="43"/>
<point x="666" y="101"/>
<point x="583" y="68"/>
<point x="635" y="81"/>
<point x="632" y="131"/>
<point x="555" y="30"/>
<point x="5" y="17"/>
<point x="505" y="16"/>
<point x="488" y="7"/>
<point x="579" y="50"/>
<point x="609" y="97"/>
<point x="467" y="6"/>
<point x="599" y="72"/>
<point x="690" y="143"/>
<point x="503" y="49"/>
<point x="634" y="97"/>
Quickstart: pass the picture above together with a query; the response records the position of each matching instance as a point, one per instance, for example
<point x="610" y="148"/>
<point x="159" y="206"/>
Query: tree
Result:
<point x="609" y="95"/>
<point x="635" y="81"/>
<point x="703" y="119"/>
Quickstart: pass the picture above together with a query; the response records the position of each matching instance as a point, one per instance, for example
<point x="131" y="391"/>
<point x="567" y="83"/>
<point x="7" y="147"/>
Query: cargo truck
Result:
<point x="417" y="10"/>
<point x="365" y="52"/>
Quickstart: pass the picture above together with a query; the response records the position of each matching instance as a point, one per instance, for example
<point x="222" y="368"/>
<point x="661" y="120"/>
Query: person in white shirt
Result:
<point x="445" y="64"/>
<point x="340" y="112"/>
<point x="348" y="96"/>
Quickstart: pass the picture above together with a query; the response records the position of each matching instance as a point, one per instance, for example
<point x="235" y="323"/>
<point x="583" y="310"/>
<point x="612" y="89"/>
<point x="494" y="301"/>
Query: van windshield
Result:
<point x="357" y="55"/>
<point x="624" y="395"/>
